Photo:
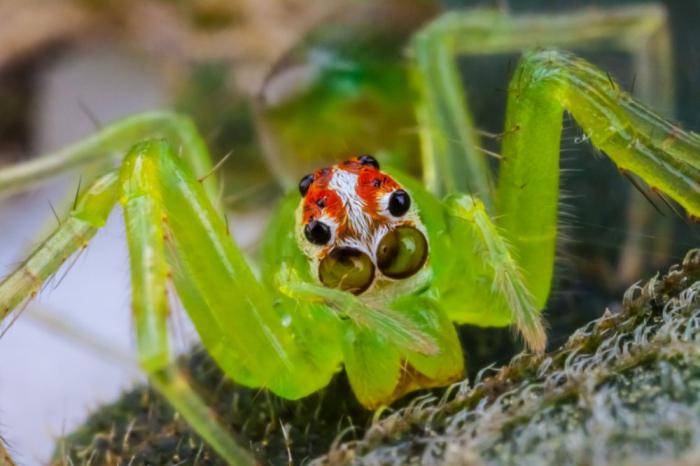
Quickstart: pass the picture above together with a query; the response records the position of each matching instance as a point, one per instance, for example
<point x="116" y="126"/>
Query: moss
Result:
<point x="624" y="389"/>
<point x="141" y="428"/>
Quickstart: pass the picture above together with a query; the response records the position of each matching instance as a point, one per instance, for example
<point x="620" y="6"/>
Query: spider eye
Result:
<point x="304" y="184"/>
<point x="368" y="160"/>
<point x="399" y="203"/>
<point x="402" y="252"/>
<point x="348" y="269"/>
<point x="317" y="232"/>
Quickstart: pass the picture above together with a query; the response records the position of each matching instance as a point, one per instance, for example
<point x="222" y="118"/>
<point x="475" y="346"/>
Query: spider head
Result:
<point x="359" y="228"/>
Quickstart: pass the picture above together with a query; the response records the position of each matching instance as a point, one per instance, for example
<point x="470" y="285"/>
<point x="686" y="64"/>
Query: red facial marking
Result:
<point x="320" y="199"/>
<point x="353" y="166"/>
<point x="322" y="177"/>
<point x="371" y="186"/>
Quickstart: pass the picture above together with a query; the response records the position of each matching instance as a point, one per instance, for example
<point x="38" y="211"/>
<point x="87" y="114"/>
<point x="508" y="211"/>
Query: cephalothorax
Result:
<point x="370" y="268"/>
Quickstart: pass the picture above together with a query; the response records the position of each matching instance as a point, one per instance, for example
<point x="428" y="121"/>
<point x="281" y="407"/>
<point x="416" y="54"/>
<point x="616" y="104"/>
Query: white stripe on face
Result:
<point x="359" y="222"/>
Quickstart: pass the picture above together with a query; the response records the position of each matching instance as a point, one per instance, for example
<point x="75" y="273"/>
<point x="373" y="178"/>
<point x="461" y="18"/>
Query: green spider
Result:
<point x="362" y="269"/>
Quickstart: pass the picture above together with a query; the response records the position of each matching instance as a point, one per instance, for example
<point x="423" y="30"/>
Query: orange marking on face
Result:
<point x="372" y="185"/>
<point x="323" y="200"/>
<point x="322" y="177"/>
<point x="320" y="200"/>
<point x="353" y="166"/>
<point x="322" y="197"/>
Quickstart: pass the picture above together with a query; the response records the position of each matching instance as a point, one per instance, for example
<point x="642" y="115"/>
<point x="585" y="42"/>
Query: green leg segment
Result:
<point x="144" y="220"/>
<point x="449" y="141"/>
<point x="73" y="233"/>
<point x="260" y="341"/>
<point x="174" y="229"/>
<point x="239" y="320"/>
<point x="145" y="216"/>
<point x="107" y="148"/>
<point x="546" y="83"/>
<point x="508" y="281"/>
<point x="452" y="157"/>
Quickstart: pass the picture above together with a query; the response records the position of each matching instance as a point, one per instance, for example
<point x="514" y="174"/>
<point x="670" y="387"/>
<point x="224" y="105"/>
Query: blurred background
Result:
<point x="283" y="84"/>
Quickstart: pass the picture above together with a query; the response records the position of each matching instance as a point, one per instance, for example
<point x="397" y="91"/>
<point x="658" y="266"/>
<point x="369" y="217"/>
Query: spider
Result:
<point x="363" y="267"/>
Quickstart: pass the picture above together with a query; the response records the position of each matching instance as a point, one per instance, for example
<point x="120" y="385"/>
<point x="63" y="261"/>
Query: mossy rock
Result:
<point x="624" y="389"/>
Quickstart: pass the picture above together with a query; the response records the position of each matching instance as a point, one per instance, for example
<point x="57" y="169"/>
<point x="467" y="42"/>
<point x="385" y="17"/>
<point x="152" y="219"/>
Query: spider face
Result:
<point x="358" y="227"/>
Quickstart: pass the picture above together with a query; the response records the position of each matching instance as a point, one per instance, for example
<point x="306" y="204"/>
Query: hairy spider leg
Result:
<point x="107" y="147"/>
<point x="526" y="212"/>
<point x="253" y="336"/>
<point x="99" y="152"/>
<point x="494" y="249"/>
<point x="74" y="232"/>
<point x="546" y="83"/>
<point x="145" y="217"/>
<point x="149" y="300"/>
<point x="173" y="228"/>
<point x="452" y="159"/>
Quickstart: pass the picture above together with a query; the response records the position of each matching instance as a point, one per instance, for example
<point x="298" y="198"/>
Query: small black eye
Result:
<point x="305" y="183"/>
<point x="399" y="203"/>
<point x="368" y="160"/>
<point x="317" y="232"/>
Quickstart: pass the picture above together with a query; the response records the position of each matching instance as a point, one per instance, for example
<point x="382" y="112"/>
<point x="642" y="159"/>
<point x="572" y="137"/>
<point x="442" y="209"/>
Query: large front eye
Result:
<point x="347" y="269"/>
<point x="402" y="252"/>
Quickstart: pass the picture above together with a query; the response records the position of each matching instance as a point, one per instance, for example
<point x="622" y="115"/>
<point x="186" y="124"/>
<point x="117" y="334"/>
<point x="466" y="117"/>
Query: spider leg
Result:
<point x="144" y="215"/>
<point x="148" y="282"/>
<point x="546" y="83"/>
<point x="453" y="161"/>
<point x="257" y="338"/>
<point x="89" y="215"/>
<point x="107" y="146"/>
<point x="452" y="151"/>
<point x="73" y="233"/>
<point x="508" y="281"/>
<point x="174" y="228"/>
